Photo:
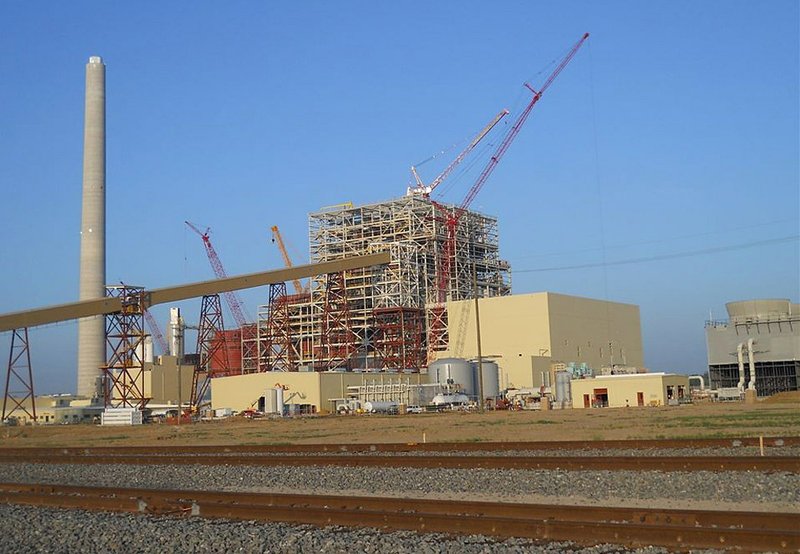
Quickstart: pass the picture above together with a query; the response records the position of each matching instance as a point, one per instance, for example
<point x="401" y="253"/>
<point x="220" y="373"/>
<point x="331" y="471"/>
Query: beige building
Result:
<point x="527" y="334"/>
<point x="308" y="388"/>
<point x="161" y="381"/>
<point x="619" y="391"/>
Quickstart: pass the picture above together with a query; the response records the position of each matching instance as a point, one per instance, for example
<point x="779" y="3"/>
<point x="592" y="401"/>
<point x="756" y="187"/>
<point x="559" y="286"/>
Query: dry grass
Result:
<point x="691" y="421"/>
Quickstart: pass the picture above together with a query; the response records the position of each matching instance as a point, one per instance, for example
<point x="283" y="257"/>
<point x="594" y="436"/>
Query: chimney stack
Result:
<point x="91" y="331"/>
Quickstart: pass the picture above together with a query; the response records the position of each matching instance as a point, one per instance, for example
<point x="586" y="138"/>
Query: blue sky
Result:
<point x="673" y="132"/>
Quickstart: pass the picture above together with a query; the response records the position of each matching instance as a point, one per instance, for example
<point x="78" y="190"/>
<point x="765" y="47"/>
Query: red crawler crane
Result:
<point x="246" y="336"/>
<point x="234" y="303"/>
<point x="437" y="327"/>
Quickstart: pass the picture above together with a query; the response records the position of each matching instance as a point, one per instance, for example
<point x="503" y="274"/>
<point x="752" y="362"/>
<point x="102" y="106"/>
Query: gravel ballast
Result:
<point x="732" y="486"/>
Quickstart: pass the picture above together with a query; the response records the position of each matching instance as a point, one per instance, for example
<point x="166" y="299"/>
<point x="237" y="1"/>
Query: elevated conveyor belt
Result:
<point x="103" y="306"/>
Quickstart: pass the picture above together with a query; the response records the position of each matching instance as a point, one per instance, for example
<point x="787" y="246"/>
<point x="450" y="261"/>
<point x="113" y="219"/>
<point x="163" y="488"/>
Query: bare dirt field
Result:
<point x="712" y="420"/>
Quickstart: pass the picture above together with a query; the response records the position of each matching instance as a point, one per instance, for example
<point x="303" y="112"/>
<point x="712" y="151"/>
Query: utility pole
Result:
<point x="478" y="335"/>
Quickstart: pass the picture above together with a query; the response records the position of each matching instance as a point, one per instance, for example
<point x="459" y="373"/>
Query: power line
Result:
<point x="661" y="240"/>
<point x="663" y="256"/>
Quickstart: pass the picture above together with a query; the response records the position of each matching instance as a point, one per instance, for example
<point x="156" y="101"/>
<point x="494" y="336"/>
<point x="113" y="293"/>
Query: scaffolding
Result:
<point x="379" y="317"/>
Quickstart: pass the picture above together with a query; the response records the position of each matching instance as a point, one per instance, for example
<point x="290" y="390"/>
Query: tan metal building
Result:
<point x="528" y="334"/>
<point x="308" y="388"/>
<point x="619" y="391"/>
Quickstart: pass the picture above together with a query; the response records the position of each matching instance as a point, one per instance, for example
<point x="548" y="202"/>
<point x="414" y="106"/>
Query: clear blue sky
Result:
<point x="674" y="131"/>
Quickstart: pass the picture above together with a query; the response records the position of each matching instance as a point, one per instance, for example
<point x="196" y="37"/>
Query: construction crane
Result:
<point x="156" y="331"/>
<point x="231" y="298"/>
<point x="453" y="217"/>
<point x="425" y="190"/>
<point x="278" y="239"/>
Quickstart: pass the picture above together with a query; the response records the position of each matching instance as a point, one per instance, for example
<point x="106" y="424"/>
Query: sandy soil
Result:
<point x="687" y="421"/>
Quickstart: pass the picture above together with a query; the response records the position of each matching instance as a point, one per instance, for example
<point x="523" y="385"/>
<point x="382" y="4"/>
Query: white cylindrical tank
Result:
<point x="449" y="399"/>
<point x="453" y="371"/>
<point x="378" y="406"/>
<point x="491" y="379"/>
<point x="271" y="401"/>
<point x="148" y="349"/>
<point x="278" y="400"/>
<point x="175" y="333"/>
<point x="563" y="387"/>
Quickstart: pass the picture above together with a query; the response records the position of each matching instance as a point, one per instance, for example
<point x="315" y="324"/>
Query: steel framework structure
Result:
<point x="123" y="374"/>
<point x="279" y="348"/>
<point x="356" y="318"/>
<point x="210" y="344"/>
<point x="20" y="374"/>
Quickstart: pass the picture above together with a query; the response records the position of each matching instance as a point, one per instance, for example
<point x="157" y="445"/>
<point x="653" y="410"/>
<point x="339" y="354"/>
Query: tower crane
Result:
<point x="278" y="239"/>
<point x="232" y="299"/>
<point x="453" y="217"/>
<point x="425" y="190"/>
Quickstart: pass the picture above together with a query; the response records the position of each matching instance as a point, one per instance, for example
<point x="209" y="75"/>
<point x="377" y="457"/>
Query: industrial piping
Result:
<point x="751" y="358"/>
<point x="740" y="357"/>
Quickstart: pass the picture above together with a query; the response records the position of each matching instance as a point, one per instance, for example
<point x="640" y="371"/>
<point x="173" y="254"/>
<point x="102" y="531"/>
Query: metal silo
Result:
<point x="453" y="371"/>
<point x="563" y="388"/>
<point x="491" y="378"/>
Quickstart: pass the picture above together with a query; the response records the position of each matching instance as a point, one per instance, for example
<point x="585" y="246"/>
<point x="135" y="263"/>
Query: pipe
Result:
<point x="740" y="357"/>
<point x="751" y="357"/>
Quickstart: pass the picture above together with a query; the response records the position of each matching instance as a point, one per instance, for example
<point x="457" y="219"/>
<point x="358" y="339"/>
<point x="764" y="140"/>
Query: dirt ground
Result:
<point x="686" y="421"/>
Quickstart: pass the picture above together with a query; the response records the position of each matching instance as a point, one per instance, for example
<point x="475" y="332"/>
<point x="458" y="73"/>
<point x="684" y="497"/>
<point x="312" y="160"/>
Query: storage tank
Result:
<point x="491" y="379"/>
<point x="451" y="371"/>
<point x="376" y="406"/>
<point x="271" y="401"/>
<point x="563" y="387"/>
<point x="449" y="399"/>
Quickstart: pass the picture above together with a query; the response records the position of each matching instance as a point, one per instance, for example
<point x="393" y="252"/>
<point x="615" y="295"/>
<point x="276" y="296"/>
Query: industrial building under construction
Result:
<point x="387" y="316"/>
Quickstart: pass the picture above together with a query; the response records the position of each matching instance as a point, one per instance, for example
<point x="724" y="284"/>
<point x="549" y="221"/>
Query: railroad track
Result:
<point x="751" y="531"/>
<point x="608" y="463"/>
<point x="658" y="444"/>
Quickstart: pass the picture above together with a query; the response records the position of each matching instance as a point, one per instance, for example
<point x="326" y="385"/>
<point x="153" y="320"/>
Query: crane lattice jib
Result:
<point x="156" y="332"/>
<point x="479" y="137"/>
<point x="454" y="217"/>
<point x="231" y="299"/>
<point x="514" y="131"/>
<point x="276" y="235"/>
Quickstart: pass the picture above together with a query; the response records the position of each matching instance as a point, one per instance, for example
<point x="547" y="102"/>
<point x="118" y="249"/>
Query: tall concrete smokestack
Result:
<point x="91" y="331"/>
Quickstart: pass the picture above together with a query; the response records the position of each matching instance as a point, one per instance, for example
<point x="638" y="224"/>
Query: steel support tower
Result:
<point x="19" y="378"/>
<point x="123" y="374"/>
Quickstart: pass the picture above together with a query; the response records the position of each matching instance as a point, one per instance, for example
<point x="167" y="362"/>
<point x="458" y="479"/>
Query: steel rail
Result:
<point x="648" y="444"/>
<point x="606" y="463"/>
<point x="584" y="524"/>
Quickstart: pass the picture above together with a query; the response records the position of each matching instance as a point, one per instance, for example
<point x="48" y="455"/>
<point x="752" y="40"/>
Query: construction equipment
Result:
<point x="278" y="239"/>
<point x="437" y="327"/>
<point x="425" y="190"/>
<point x="156" y="331"/>
<point x="231" y="298"/>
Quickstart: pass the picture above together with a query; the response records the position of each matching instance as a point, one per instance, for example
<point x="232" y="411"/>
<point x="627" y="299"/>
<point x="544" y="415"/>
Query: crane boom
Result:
<point x="231" y="298"/>
<point x="514" y="131"/>
<point x="156" y="331"/>
<point x="278" y="239"/>
<point x="426" y="190"/>
<point x="438" y="314"/>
